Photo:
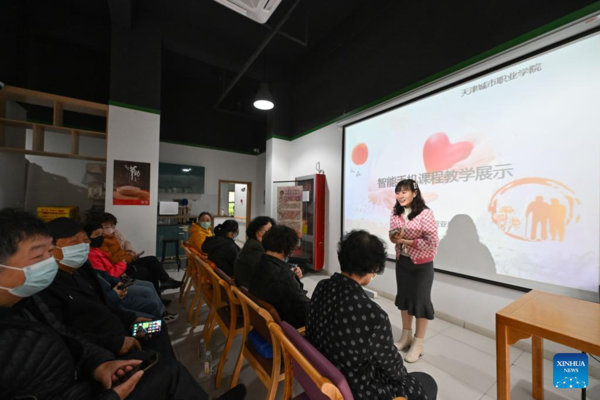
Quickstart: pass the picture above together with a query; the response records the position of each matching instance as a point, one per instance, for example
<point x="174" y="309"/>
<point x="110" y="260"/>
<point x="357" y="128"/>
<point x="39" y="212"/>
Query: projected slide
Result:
<point x="508" y="162"/>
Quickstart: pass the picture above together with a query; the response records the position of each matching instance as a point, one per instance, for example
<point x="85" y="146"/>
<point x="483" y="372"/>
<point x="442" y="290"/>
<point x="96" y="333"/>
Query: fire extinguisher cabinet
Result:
<point x="312" y="243"/>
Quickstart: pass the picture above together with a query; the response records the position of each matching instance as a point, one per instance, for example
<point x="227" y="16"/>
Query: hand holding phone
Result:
<point x="130" y="282"/>
<point x="147" y="327"/>
<point x="144" y="366"/>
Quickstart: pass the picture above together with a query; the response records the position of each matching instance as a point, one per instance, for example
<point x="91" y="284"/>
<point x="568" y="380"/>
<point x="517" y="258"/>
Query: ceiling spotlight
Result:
<point x="264" y="100"/>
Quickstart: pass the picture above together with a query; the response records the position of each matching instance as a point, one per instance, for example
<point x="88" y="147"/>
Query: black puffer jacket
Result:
<point x="40" y="363"/>
<point x="222" y="251"/>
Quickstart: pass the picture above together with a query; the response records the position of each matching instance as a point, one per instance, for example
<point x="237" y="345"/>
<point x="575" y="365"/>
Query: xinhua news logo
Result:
<point x="570" y="370"/>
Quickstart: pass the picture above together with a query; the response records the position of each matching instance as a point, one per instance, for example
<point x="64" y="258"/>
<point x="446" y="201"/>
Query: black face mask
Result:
<point x="97" y="242"/>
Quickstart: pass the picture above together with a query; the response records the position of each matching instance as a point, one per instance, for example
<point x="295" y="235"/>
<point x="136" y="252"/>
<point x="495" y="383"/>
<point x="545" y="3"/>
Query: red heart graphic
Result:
<point x="439" y="154"/>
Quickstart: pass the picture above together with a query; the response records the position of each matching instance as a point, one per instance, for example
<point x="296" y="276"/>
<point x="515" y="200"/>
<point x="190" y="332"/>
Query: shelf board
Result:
<point x="47" y="100"/>
<point x="50" y="154"/>
<point x="51" y="128"/>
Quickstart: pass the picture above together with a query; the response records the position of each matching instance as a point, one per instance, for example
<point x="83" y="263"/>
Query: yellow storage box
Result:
<point x="49" y="213"/>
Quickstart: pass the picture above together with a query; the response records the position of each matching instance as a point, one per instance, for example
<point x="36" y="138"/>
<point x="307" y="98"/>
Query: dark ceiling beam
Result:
<point x="303" y="43"/>
<point x="257" y="52"/>
<point x="120" y="12"/>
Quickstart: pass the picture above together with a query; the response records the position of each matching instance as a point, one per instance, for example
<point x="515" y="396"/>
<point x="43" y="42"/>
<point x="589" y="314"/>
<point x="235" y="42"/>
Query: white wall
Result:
<point x="277" y="166"/>
<point x="134" y="135"/>
<point x="218" y="165"/>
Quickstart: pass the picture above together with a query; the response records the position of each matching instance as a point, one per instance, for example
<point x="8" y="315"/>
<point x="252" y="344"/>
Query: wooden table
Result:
<point x="539" y="315"/>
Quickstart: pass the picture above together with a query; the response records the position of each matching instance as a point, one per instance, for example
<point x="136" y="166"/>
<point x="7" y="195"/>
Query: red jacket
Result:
<point x="423" y="230"/>
<point x="101" y="261"/>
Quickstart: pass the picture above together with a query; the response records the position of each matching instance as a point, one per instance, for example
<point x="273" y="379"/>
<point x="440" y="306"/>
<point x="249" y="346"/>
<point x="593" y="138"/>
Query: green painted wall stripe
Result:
<point x="473" y="60"/>
<point x="132" y="107"/>
<point x="249" y="153"/>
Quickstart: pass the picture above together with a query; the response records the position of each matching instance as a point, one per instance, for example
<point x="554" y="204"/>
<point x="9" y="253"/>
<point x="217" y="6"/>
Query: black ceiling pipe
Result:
<point x="257" y="52"/>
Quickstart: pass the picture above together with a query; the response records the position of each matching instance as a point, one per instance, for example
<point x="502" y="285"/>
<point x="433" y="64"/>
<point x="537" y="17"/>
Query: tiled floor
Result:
<point x="462" y="362"/>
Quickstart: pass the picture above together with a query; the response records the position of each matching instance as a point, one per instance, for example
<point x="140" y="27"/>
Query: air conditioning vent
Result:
<point x="257" y="10"/>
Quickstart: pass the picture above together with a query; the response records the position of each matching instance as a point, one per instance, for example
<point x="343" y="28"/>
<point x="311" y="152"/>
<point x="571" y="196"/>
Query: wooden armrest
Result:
<point x="302" y="331"/>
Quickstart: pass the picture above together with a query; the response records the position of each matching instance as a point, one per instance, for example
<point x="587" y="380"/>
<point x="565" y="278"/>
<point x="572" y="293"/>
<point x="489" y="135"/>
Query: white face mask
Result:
<point x="75" y="256"/>
<point x="37" y="277"/>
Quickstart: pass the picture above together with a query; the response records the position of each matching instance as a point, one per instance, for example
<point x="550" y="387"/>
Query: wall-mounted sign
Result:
<point x="131" y="185"/>
<point x="289" y="207"/>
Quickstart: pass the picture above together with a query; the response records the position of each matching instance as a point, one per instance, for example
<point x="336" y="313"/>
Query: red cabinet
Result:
<point x="312" y="243"/>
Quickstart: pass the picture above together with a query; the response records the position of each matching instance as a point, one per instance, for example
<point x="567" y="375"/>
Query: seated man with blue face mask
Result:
<point x="46" y="361"/>
<point x="77" y="299"/>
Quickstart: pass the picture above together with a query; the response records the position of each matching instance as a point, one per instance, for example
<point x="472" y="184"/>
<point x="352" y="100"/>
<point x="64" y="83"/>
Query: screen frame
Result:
<point x="433" y="92"/>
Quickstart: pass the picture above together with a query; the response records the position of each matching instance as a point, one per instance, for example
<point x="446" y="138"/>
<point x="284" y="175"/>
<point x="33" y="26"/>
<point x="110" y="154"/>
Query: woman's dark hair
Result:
<point x="418" y="203"/>
<point x="227" y="226"/>
<point x="203" y="213"/>
<point x="91" y="227"/>
<point x="15" y="227"/>
<point x="257" y="224"/>
<point x="106" y="217"/>
<point x="280" y="239"/>
<point x="361" y="253"/>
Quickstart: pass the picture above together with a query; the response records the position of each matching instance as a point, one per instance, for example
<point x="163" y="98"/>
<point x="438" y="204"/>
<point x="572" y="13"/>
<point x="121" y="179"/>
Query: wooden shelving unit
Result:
<point x="58" y="104"/>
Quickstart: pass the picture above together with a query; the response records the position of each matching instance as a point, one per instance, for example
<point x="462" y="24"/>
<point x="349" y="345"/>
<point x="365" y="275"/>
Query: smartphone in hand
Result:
<point x="125" y="285"/>
<point x="144" y="366"/>
<point x="148" y="327"/>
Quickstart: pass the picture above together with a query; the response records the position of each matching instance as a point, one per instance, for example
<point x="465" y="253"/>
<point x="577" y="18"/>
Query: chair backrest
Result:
<point x="258" y="324"/>
<point x="207" y="280"/>
<point x="225" y="283"/>
<point x="312" y="370"/>
<point x="259" y="318"/>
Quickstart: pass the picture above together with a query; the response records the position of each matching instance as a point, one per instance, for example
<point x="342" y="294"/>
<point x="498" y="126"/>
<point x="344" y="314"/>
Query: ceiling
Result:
<point x="333" y="56"/>
<point x="64" y="47"/>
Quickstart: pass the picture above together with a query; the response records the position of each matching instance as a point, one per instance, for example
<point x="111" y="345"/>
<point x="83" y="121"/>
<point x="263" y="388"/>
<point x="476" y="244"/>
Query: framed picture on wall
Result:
<point x="131" y="185"/>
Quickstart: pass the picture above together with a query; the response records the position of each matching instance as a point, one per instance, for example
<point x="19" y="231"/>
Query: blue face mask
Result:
<point x="75" y="256"/>
<point x="37" y="277"/>
<point x="205" y="225"/>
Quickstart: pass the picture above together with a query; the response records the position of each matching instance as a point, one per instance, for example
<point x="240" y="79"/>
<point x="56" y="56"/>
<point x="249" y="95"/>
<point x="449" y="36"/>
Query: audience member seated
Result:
<point x="354" y="332"/>
<point x="252" y="251"/>
<point x="221" y="247"/>
<point x="145" y="268"/>
<point x="274" y="281"/>
<point x="46" y="361"/>
<point x="77" y="300"/>
<point x="141" y="297"/>
<point x="200" y="231"/>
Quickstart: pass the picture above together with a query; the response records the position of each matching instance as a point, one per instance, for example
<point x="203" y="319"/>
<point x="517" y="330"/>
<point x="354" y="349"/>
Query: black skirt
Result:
<point x="414" y="283"/>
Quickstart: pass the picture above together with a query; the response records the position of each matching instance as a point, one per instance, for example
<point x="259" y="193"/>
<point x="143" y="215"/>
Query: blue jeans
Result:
<point x="141" y="298"/>
<point x="142" y="294"/>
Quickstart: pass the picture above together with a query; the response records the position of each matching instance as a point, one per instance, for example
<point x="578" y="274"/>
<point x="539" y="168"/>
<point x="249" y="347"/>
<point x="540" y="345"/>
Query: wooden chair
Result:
<point x="206" y="294"/>
<point x="320" y="379"/>
<point x="309" y="374"/>
<point x="191" y="275"/>
<point x="228" y="315"/>
<point x="269" y="371"/>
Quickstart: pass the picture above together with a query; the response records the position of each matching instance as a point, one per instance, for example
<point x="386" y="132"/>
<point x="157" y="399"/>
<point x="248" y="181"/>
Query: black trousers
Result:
<point x="148" y="269"/>
<point x="168" y="380"/>
<point x="427" y="383"/>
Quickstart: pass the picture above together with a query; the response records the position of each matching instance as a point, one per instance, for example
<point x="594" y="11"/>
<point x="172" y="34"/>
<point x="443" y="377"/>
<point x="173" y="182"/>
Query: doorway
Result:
<point x="235" y="202"/>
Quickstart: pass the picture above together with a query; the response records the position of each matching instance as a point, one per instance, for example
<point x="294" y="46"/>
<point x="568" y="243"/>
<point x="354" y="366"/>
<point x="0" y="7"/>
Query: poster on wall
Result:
<point x="289" y="207"/>
<point x="131" y="183"/>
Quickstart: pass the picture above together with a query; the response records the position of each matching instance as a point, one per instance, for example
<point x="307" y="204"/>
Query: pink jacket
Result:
<point x="101" y="261"/>
<point x="423" y="230"/>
